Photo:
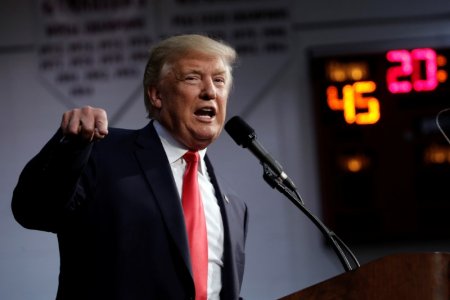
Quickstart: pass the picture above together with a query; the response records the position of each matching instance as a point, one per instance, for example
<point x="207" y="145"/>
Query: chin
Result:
<point x="204" y="141"/>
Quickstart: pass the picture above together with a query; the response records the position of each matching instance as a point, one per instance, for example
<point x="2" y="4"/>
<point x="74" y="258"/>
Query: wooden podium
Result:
<point x="410" y="276"/>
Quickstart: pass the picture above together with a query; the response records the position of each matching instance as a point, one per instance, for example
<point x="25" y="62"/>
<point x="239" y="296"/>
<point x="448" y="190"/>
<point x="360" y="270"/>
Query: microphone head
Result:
<point x="240" y="131"/>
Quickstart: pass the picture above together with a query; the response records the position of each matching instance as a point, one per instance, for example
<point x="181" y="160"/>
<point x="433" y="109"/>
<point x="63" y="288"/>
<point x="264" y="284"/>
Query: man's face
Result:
<point x="192" y="99"/>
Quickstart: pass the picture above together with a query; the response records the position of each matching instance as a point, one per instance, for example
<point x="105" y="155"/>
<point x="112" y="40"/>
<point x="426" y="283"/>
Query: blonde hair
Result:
<point x="169" y="50"/>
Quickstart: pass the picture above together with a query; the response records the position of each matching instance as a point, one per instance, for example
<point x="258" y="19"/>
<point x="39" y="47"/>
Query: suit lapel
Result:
<point x="155" y="166"/>
<point x="229" y="285"/>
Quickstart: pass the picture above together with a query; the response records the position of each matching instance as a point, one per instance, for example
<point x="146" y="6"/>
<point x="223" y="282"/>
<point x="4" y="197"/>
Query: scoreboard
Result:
<point x="384" y="165"/>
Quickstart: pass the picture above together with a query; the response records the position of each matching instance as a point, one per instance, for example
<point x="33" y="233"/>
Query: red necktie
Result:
<point x="194" y="217"/>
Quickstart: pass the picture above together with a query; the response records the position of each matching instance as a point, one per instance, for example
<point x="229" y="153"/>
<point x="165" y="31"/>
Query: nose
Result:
<point x="208" y="91"/>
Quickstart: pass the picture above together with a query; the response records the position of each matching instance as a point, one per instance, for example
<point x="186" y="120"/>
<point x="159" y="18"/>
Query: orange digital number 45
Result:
<point x="356" y="105"/>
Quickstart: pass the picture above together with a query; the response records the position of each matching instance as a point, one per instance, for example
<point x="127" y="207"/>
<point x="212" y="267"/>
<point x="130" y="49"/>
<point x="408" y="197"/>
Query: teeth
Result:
<point x="206" y="111"/>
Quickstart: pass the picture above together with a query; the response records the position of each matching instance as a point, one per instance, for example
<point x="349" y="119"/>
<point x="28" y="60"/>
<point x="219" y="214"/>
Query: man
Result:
<point x="115" y="197"/>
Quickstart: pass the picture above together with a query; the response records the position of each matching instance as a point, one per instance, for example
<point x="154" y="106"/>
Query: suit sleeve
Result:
<point x="46" y="186"/>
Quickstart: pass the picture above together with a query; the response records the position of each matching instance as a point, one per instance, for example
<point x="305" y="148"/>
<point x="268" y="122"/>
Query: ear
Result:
<point x="154" y="97"/>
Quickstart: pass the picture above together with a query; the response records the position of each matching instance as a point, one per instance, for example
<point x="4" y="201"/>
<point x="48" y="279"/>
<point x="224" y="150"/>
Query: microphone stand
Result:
<point x="439" y="125"/>
<point x="337" y="244"/>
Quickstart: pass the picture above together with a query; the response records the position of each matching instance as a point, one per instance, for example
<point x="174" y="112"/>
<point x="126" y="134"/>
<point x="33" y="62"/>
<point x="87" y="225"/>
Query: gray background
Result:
<point x="285" y="252"/>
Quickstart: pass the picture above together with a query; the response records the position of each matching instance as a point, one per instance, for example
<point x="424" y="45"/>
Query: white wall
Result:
<point x="285" y="252"/>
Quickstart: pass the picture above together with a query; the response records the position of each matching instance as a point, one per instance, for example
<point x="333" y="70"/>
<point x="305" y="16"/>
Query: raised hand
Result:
<point x="89" y="123"/>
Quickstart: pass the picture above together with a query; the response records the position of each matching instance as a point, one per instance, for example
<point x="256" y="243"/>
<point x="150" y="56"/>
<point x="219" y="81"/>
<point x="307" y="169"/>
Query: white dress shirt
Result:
<point x="214" y="226"/>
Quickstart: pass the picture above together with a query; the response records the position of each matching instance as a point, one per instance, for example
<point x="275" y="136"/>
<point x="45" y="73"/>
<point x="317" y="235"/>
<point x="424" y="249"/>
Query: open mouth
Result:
<point x="208" y="112"/>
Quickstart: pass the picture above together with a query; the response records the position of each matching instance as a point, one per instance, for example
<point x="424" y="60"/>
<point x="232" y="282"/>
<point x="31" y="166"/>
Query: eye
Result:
<point x="220" y="80"/>
<point x="191" y="78"/>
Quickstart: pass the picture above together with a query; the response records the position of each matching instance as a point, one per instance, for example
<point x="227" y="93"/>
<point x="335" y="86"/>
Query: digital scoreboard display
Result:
<point x="384" y="165"/>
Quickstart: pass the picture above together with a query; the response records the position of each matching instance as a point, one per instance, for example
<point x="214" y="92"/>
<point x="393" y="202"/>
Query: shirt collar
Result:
<point x="174" y="149"/>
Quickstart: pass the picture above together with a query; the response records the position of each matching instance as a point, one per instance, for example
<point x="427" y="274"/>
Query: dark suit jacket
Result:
<point x="118" y="217"/>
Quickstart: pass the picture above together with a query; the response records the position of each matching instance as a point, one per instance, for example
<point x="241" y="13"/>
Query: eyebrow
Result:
<point x="199" y="72"/>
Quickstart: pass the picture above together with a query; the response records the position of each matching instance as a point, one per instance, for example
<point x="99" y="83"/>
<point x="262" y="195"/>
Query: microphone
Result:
<point x="245" y="136"/>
